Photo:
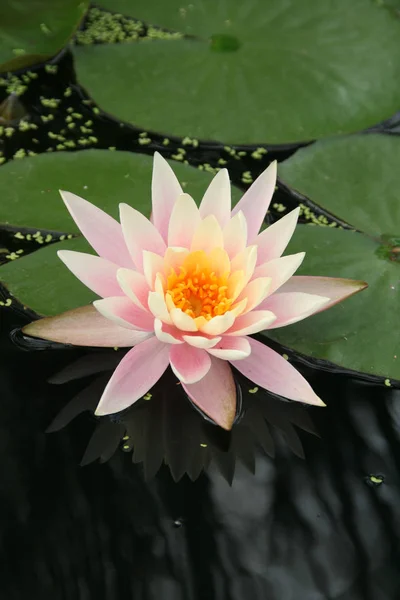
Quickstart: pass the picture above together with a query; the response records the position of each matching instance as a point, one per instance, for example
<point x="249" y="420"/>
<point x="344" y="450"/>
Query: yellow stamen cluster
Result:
<point x="197" y="289"/>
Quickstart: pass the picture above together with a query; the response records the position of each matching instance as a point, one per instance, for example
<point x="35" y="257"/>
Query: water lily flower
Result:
<point x="187" y="288"/>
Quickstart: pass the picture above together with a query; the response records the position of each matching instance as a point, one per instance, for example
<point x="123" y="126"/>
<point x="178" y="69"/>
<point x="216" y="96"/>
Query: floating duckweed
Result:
<point x="374" y="480"/>
<point x="242" y="153"/>
<point x="51" y="69"/>
<point x="9" y="131"/>
<point x="48" y="238"/>
<point x="148" y="396"/>
<point x="109" y="28"/>
<point x="285" y="356"/>
<point x="20" y="153"/>
<point x="279" y="207"/>
<point x="6" y="303"/>
<point x="26" y="125"/>
<point x="50" y="102"/>
<point x="19" y="235"/>
<point x="247" y="177"/>
<point x="222" y="161"/>
<point x="12" y="256"/>
<point x="165" y="142"/>
<point x="187" y="141"/>
<point x="203" y="445"/>
<point x="96" y="110"/>
<point x="126" y="447"/>
<point x="47" y="31"/>
<point x="112" y="148"/>
<point x="126" y="437"/>
<point x="2" y="160"/>
<point x="258" y="153"/>
<point x="230" y="151"/>
<point x="144" y="141"/>
<point x="68" y="92"/>
<point x="71" y="125"/>
<point x="387" y="383"/>
<point x="253" y="390"/>
<point x="160" y="34"/>
<point x="47" y="118"/>
<point x="314" y="219"/>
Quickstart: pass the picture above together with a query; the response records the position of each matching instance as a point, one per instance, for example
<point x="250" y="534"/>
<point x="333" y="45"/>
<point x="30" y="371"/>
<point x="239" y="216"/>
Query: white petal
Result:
<point x="182" y="320"/>
<point x="217" y="199"/>
<point x="184" y="221"/>
<point x="199" y="341"/>
<point x="208" y="235"/>
<point x="158" y="307"/>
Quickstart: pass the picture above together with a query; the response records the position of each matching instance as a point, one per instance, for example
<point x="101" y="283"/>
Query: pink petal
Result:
<point x="231" y="348"/>
<point x="280" y="269"/>
<point x="292" y="307"/>
<point x="122" y="311"/>
<point x="167" y="333"/>
<point x="217" y="199"/>
<point x="235" y="235"/>
<point x="255" y="202"/>
<point x="272" y="242"/>
<point x="335" y="288"/>
<point x="158" y="308"/>
<point x="255" y="292"/>
<point x="184" y="221"/>
<point x="84" y="326"/>
<point x="165" y="189"/>
<point x="271" y="371"/>
<point x="218" y="324"/>
<point x="215" y="394"/>
<point x="208" y="235"/>
<point x="199" y="341"/>
<point x="102" y="232"/>
<point x="139" y="234"/>
<point x="152" y="264"/>
<point x="98" y="274"/>
<point x="252" y="322"/>
<point x="135" y="286"/>
<point x="189" y="364"/>
<point x="137" y="372"/>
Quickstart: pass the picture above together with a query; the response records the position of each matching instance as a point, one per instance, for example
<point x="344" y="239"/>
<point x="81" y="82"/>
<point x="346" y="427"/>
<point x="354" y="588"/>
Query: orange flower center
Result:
<point x="198" y="287"/>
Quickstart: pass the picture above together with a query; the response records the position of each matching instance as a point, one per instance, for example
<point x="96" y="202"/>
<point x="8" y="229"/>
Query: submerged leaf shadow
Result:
<point x="165" y="427"/>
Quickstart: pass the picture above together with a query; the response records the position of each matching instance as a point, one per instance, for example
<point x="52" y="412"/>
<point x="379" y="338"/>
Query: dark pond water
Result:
<point x="295" y="504"/>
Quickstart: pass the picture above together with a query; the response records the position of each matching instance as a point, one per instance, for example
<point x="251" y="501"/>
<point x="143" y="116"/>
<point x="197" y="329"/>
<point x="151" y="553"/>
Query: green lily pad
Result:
<point x="29" y="187"/>
<point x="356" y="178"/>
<point x="31" y="31"/>
<point x="255" y="72"/>
<point x="362" y="332"/>
<point x="29" y="191"/>
<point x="43" y="283"/>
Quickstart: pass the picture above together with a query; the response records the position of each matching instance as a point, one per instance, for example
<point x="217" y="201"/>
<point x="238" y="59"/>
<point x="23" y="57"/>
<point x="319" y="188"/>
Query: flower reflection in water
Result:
<point x="164" y="427"/>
